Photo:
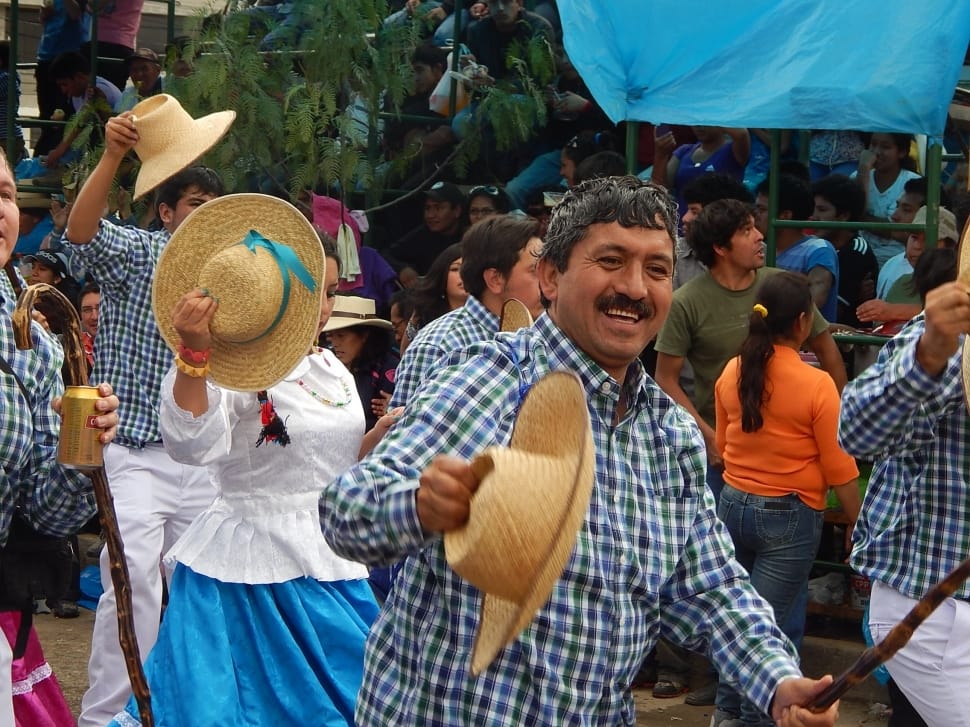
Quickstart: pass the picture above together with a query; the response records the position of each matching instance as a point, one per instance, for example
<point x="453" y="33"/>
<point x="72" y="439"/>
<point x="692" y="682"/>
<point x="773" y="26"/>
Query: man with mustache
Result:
<point x="651" y="558"/>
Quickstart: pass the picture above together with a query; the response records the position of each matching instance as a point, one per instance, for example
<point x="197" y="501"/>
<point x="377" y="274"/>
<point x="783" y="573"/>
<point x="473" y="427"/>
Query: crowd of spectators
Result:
<point x="433" y="272"/>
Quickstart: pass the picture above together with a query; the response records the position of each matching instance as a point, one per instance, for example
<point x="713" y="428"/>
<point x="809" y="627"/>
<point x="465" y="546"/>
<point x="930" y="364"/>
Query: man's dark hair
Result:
<point x="713" y="186"/>
<point x="843" y="193"/>
<point x="430" y="55"/>
<point x="628" y="201"/>
<point x="935" y="267"/>
<point x="202" y="178"/>
<point x="916" y="185"/>
<point x="404" y="300"/>
<point x="66" y="65"/>
<point x="794" y="195"/>
<point x="494" y="242"/>
<point x="715" y="226"/>
<point x="89" y="287"/>
<point x="795" y="168"/>
<point x="600" y="164"/>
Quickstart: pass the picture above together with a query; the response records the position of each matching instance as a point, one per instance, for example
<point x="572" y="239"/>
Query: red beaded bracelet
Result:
<point x="190" y="356"/>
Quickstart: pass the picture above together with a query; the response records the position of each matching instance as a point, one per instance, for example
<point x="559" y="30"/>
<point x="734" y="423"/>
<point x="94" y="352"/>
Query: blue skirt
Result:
<point x="238" y="654"/>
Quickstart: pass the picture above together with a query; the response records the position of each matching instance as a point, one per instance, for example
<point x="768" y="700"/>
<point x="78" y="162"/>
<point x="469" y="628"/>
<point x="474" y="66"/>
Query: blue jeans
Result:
<point x="715" y="481"/>
<point x="776" y="539"/>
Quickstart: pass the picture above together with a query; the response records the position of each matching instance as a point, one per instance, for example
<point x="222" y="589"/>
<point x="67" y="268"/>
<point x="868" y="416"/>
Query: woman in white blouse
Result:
<point x="265" y="625"/>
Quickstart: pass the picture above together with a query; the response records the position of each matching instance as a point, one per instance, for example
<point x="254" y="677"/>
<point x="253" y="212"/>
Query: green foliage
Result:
<point x="306" y="111"/>
<point x="295" y="106"/>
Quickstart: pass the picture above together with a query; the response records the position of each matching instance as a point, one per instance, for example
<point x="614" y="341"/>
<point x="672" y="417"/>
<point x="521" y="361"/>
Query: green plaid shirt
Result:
<point x="914" y="527"/>
<point x="462" y="327"/>
<point x="651" y="560"/>
<point x="130" y="352"/>
<point x="55" y="500"/>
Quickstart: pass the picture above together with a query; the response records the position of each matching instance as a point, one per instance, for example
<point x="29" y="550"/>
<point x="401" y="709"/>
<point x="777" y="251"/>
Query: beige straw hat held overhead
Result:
<point x="169" y="140"/>
<point x="526" y="513"/>
<point x="264" y="263"/>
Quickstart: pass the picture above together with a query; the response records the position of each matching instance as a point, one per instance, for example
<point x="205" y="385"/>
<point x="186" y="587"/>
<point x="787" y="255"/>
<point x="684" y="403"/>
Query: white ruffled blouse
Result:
<point x="264" y="525"/>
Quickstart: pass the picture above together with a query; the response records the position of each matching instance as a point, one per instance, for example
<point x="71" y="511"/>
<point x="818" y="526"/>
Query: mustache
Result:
<point x="618" y="300"/>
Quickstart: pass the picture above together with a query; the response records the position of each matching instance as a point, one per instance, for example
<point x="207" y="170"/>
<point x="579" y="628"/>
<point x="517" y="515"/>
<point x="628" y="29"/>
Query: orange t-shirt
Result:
<point x="796" y="450"/>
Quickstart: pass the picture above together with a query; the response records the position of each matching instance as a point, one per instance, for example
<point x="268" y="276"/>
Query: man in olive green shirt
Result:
<point x="709" y="316"/>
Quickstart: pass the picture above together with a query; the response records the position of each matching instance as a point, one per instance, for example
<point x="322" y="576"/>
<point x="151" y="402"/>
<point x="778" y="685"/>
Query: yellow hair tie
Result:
<point x="196" y="372"/>
<point x="758" y="308"/>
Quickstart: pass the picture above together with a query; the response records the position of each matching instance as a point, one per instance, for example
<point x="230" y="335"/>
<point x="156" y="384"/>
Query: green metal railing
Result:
<point x="12" y="120"/>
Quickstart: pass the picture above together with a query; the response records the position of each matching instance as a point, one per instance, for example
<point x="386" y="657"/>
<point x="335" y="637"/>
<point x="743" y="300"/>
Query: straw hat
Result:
<point x="353" y="310"/>
<point x="947" y="228"/>
<point x="526" y="513"/>
<point x="169" y="140"/>
<point x="514" y="316"/>
<point x="268" y="284"/>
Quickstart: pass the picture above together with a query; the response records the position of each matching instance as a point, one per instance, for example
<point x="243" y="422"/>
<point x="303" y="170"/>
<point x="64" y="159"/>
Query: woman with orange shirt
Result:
<point x="776" y="429"/>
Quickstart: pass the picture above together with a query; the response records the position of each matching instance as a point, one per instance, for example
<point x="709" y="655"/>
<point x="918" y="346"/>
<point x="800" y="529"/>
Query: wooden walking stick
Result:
<point x="76" y="374"/>
<point x="896" y="639"/>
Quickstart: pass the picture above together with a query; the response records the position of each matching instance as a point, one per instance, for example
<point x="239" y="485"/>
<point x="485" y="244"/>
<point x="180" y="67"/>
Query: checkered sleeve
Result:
<point x="369" y="514"/>
<point x="894" y="404"/>
<point x="416" y="365"/>
<point x="55" y="500"/>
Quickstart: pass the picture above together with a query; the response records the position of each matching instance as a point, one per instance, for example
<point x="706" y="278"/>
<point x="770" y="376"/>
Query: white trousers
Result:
<point x="933" y="669"/>
<point x="155" y="499"/>
<point x="6" y="682"/>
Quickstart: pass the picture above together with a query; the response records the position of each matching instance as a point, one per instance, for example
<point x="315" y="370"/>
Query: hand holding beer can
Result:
<point x="80" y="444"/>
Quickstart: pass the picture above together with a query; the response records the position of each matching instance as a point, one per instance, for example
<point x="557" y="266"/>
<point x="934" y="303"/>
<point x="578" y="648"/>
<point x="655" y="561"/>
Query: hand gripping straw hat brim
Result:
<point x="264" y="263"/>
<point x="963" y="275"/>
<point x="169" y="140"/>
<point x="527" y="512"/>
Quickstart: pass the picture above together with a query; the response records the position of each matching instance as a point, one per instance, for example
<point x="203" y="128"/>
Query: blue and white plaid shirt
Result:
<point x="651" y="560"/>
<point x="54" y="500"/>
<point x="914" y="527"/>
<point x="462" y="327"/>
<point x="129" y="352"/>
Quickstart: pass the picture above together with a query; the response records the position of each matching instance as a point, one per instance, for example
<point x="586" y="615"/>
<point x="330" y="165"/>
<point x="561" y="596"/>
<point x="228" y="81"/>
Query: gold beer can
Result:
<point x="80" y="444"/>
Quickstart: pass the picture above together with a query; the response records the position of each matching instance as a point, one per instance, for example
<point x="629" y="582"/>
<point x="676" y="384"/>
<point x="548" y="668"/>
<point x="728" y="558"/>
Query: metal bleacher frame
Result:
<point x="29" y="122"/>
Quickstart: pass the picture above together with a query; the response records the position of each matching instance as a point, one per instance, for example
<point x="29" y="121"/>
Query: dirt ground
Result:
<point x="67" y="645"/>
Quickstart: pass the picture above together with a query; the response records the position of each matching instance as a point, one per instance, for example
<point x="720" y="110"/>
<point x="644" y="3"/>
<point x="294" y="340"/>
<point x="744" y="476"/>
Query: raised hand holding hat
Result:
<point x="263" y="262"/>
<point x="169" y="139"/>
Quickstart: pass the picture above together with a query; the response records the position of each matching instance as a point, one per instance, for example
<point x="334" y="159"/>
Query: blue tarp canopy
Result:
<point x="871" y="65"/>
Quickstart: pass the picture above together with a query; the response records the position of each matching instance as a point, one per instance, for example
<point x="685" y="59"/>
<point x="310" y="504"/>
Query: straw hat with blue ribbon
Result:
<point x="264" y="263"/>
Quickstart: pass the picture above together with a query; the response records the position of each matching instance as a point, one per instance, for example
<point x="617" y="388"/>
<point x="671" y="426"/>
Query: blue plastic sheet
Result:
<point x="870" y="65"/>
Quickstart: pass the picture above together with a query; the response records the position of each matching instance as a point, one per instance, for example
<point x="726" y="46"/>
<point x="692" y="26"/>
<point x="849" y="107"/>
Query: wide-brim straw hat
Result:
<point x="354" y="310"/>
<point x="514" y="316"/>
<point x="526" y="513"/>
<point x="169" y="140"/>
<point x="259" y="333"/>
